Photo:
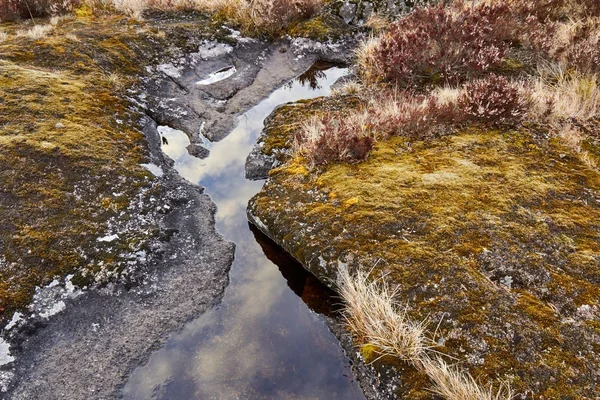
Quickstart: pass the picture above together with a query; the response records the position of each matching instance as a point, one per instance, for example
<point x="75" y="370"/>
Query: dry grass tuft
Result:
<point x="450" y="382"/>
<point x="376" y="318"/>
<point x="367" y="62"/>
<point x="373" y="314"/>
<point x="115" y="80"/>
<point x="348" y="88"/>
<point x="37" y="32"/>
<point x="377" y="23"/>
<point x="3" y="36"/>
<point x="559" y="94"/>
<point x="572" y="137"/>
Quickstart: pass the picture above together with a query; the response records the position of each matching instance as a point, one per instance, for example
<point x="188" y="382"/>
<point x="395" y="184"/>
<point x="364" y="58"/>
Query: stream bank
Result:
<point x="490" y="233"/>
<point x="262" y="341"/>
<point x="87" y="348"/>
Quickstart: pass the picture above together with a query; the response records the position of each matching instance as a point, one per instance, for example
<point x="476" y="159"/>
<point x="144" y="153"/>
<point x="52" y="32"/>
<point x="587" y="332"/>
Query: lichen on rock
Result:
<point x="491" y="233"/>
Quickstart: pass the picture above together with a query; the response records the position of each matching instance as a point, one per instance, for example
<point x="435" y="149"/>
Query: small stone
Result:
<point x="347" y="12"/>
<point x="59" y="125"/>
<point x="197" y="150"/>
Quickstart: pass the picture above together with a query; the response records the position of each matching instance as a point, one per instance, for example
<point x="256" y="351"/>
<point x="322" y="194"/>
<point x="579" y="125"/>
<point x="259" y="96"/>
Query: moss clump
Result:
<point x="321" y="28"/>
<point x="496" y="231"/>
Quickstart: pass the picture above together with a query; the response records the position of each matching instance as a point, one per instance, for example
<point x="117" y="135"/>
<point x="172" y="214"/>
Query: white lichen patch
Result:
<point x="5" y="357"/>
<point x="16" y="319"/>
<point x="49" y="300"/>
<point x="217" y="76"/>
<point x="5" y="379"/>
<point x="211" y="49"/>
<point x="154" y="169"/>
<point x="108" y="238"/>
<point x="54" y="309"/>
<point x="169" y="70"/>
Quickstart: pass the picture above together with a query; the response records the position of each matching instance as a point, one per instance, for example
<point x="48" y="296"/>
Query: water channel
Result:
<point x="266" y="339"/>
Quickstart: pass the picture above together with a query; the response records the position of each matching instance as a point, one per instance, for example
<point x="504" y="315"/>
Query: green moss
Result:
<point x="496" y="230"/>
<point x="67" y="166"/>
<point x="322" y="28"/>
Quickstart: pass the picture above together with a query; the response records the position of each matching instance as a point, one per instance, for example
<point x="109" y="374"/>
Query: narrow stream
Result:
<point x="263" y="341"/>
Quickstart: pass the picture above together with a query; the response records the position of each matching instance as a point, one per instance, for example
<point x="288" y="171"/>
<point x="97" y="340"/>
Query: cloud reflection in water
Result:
<point x="262" y="341"/>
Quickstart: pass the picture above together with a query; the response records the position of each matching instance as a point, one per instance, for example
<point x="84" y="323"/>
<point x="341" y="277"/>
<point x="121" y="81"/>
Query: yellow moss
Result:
<point x="449" y="219"/>
<point x="62" y="153"/>
<point x="84" y="11"/>
<point x="369" y="352"/>
<point x="351" y="201"/>
<point x="321" y="27"/>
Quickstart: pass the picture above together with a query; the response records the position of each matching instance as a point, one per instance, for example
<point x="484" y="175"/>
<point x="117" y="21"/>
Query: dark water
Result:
<point x="264" y="341"/>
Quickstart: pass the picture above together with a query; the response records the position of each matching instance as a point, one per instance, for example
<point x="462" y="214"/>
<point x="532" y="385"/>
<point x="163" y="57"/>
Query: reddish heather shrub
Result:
<point x="11" y="9"/>
<point x="350" y="136"/>
<point x="494" y="100"/>
<point x="445" y="44"/>
<point x="540" y="22"/>
<point x="335" y="141"/>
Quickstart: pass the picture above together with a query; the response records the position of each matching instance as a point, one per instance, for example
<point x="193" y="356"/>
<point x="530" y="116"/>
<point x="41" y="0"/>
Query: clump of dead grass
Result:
<point x="115" y="80"/>
<point x="561" y="94"/>
<point x="453" y="383"/>
<point x="36" y="32"/>
<point x="367" y="64"/>
<point x="376" y="318"/>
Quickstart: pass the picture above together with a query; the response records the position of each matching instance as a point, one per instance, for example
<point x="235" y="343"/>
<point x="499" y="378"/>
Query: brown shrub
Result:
<point x="330" y="139"/>
<point x="445" y="44"/>
<point x="11" y="9"/>
<point x="350" y="136"/>
<point x="494" y="100"/>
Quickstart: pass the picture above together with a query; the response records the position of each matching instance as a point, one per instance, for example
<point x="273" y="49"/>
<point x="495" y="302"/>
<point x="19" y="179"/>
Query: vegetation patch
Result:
<point x="74" y="198"/>
<point x="462" y="186"/>
<point x="488" y="232"/>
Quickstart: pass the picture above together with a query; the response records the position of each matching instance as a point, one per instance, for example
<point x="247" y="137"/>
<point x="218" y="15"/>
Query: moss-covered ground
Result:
<point x="494" y="234"/>
<point x="71" y="148"/>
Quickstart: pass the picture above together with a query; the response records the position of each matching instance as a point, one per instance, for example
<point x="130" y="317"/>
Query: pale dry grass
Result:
<point x="572" y="137"/>
<point x="348" y="88"/>
<point x="372" y="313"/>
<point x="375" y="317"/>
<point x="367" y="62"/>
<point x="3" y="36"/>
<point x="72" y="37"/>
<point x="37" y="32"/>
<point x="559" y="94"/>
<point x="377" y="23"/>
<point x="451" y="382"/>
<point x="447" y="94"/>
<point x="115" y="80"/>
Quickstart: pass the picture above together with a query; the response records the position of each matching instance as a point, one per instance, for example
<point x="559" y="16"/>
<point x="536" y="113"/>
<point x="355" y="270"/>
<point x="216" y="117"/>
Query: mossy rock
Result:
<point x="322" y="28"/>
<point x="71" y="148"/>
<point x="494" y="233"/>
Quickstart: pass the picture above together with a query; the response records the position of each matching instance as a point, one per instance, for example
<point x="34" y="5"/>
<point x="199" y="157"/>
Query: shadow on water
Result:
<point x="316" y="295"/>
<point x="264" y="341"/>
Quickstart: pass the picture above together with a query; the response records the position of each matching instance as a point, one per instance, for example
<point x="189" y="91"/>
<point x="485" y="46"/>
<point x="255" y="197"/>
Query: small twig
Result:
<point x="30" y="14"/>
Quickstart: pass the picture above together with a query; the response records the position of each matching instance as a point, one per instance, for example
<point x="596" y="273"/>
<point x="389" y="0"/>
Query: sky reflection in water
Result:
<point x="263" y="341"/>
